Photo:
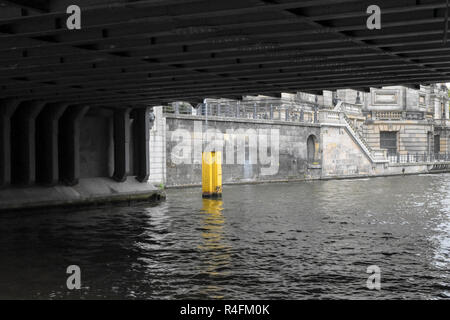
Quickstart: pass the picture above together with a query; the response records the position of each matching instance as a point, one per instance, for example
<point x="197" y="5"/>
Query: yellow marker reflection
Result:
<point x="218" y="252"/>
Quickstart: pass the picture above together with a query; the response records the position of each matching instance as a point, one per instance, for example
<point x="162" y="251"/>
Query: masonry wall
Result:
<point x="158" y="148"/>
<point x="350" y="96"/>
<point x="177" y="142"/>
<point x="444" y="139"/>
<point x="445" y="143"/>
<point x="342" y="156"/>
<point x="412" y="136"/>
<point x="292" y="163"/>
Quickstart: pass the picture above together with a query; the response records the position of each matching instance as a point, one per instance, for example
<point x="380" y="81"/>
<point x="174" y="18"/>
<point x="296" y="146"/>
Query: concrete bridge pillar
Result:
<point x="142" y="145"/>
<point x="121" y="144"/>
<point x="7" y="109"/>
<point x="69" y="144"/>
<point x="24" y="142"/>
<point x="47" y="135"/>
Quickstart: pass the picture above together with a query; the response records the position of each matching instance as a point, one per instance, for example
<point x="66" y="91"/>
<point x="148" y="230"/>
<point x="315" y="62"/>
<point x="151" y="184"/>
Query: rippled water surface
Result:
<point x="275" y="241"/>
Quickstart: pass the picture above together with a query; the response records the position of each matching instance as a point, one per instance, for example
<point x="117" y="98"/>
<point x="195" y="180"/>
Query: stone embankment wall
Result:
<point x="342" y="156"/>
<point x="177" y="141"/>
<point x="252" y="150"/>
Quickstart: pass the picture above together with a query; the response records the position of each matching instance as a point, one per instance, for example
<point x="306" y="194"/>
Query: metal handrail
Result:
<point x="423" y="157"/>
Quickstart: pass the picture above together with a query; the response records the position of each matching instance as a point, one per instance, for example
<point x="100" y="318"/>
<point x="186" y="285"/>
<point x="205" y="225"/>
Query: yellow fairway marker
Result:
<point x="212" y="174"/>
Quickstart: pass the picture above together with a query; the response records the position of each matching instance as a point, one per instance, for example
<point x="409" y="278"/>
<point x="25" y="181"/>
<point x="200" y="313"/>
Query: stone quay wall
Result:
<point x="252" y="150"/>
<point x="250" y="153"/>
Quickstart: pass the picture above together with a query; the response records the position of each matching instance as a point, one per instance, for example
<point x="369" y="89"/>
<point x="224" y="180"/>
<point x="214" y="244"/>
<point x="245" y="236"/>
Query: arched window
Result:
<point x="311" y="149"/>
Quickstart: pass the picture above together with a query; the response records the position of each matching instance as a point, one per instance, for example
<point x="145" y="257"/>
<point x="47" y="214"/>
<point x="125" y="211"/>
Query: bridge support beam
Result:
<point x="121" y="144"/>
<point x="69" y="144"/>
<point x="24" y="142"/>
<point x="142" y="146"/>
<point x="47" y="154"/>
<point x="7" y="109"/>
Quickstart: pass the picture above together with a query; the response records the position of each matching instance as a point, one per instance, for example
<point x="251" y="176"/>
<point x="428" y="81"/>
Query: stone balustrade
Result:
<point x="276" y="110"/>
<point x="387" y="115"/>
<point x="330" y="116"/>
<point x="351" y="108"/>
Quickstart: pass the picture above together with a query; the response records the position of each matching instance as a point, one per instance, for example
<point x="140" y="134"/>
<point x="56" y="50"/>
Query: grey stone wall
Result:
<point x="158" y="148"/>
<point x="341" y="154"/>
<point x="350" y="96"/>
<point x="292" y="162"/>
<point x="444" y="135"/>
<point x="412" y="136"/>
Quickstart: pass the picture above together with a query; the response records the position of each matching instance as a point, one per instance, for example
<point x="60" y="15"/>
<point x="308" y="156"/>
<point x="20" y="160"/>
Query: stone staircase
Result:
<point x="376" y="156"/>
<point x="357" y="133"/>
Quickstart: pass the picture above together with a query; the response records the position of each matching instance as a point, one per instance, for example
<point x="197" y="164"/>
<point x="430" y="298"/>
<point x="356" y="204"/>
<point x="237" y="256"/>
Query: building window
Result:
<point x="388" y="140"/>
<point x="437" y="143"/>
<point x="422" y="100"/>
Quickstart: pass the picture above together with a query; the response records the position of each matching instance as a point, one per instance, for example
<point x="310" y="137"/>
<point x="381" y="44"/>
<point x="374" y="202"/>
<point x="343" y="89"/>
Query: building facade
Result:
<point x="402" y="120"/>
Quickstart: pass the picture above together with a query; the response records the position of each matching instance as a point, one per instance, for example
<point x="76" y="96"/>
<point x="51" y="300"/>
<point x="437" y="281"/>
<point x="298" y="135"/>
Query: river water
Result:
<point x="310" y="240"/>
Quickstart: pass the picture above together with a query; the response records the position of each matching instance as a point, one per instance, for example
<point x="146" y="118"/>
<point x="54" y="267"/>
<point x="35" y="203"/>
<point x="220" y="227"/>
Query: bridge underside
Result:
<point x="150" y="52"/>
<point x="129" y="55"/>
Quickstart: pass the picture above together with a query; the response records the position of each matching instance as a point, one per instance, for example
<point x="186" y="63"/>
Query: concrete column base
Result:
<point x="142" y="145"/>
<point x="47" y="154"/>
<point x="24" y="146"/>
<point x="121" y="144"/>
<point x="7" y="109"/>
<point x="69" y="144"/>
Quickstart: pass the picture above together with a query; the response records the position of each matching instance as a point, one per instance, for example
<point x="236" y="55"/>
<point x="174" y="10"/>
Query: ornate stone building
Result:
<point x="401" y="120"/>
<point x="396" y="121"/>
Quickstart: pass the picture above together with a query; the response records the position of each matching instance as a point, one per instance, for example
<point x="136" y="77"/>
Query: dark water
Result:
<point x="278" y="241"/>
